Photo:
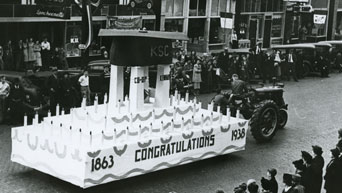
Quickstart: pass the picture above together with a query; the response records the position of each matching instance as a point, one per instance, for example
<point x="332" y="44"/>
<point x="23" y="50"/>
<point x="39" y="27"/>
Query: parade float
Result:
<point x="128" y="136"/>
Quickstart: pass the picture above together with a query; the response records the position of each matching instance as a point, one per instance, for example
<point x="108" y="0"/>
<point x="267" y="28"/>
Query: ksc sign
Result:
<point x="128" y="51"/>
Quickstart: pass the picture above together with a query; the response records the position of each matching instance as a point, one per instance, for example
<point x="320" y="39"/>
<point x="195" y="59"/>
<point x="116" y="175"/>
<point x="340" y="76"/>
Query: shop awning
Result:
<point x="332" y="42"/>
<point x="146" y="34"/>
<point x="294" y="46"/>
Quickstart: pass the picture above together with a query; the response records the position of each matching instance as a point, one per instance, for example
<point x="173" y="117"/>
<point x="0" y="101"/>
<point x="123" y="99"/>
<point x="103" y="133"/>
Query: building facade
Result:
<point x="200" y="20"/>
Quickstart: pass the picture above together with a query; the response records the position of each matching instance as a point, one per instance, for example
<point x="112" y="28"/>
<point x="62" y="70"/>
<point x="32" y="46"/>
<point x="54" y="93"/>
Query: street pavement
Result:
<point x="315" y="109"/>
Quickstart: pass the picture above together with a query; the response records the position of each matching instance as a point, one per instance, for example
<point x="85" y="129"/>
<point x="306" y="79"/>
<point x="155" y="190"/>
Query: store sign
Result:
<point x="319" y="19"/>
<point x="299" y="1"/>
<point x="53" y="11"/>
<point x="54" y="2"/>
<point x="145" y="52"/>
<point x="226" y="20"/>
<point x="124" y="22"/>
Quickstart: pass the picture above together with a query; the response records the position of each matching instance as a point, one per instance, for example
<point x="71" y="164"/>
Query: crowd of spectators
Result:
<point x="308" y="176"/>
<point x="31" y="55"/>
<point x="208" y="72"/>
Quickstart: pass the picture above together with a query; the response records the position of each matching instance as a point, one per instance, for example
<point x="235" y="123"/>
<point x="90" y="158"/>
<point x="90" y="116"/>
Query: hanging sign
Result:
<point x="319" y="19"/>
<point x="124" y="22"/>
<point x="226" y="20"/>
<point x="53" y="11"/>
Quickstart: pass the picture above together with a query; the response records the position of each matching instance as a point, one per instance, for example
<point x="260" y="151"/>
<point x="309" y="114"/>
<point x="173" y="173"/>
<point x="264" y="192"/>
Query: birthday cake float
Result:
<point x="126" y="137"/>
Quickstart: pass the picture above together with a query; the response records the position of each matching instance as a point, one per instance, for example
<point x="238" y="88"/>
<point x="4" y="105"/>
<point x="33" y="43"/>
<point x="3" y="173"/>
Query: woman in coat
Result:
<point x="37" y="49"/>
<point x="331" y="175"/>
<point x="308" y="173"/>
<point x="317" y="165"/>
<point x="196" y="77"/>
<point x="25" y="53"/>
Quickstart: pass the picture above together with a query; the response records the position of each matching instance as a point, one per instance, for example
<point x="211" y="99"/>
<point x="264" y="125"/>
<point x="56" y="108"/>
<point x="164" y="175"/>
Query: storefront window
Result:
<point x="276" y="25"/>
<point x="216" y="33"/>
<point x="94" y="48"/>
<point x="196" y="31"/>
<point x="244" y="26"/>
<point x="338" y="31"/>
<point x="215" y="7"/>
<point x="223" y="5"/>
<point x="172" y="7"/>
<point x="197" y="7"/>
<point x="149" y="24"/>
<point x="174" y="25"/>
<point x="73" y="39"/>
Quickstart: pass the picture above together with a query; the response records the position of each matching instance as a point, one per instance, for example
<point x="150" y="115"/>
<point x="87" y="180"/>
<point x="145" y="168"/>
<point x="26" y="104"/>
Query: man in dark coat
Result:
<point x="287" y="180"/>
<point x="308" y="174"/>
<point x="270" y="184"/>
<point x="16" y="98"/>
<point x="317" y="166"/>
<point x="67" y="93"/>
<point x="53" y="87"/>
<point x="291" y="60"/>
<point x="332" y="184"/>
<point x="220" y="100"/>
<point x="223" y="60"/>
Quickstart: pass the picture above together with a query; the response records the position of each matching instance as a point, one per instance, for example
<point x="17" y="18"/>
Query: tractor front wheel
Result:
<point x="264" y="121"/>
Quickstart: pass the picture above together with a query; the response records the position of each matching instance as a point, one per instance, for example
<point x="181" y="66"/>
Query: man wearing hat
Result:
<point x="317" y="166"/>
<point x="332" y="184"/>
<point x="223" y="60"/>
<point x="270" y="183"/>
<point x="53" y="85"/>
<point x="296" y="180"/>
<point x="308" y="174"/>
<point x="287" y="180"/>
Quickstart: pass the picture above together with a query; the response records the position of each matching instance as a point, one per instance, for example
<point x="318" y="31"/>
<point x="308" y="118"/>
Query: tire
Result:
<point x="149" y="5"/>
<point x="132" y="4"/>
<point x="264" y="121"/>
<point x="282" y="118"/>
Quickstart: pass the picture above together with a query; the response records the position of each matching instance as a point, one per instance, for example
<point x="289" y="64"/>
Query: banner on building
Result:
<point x="124" y="22"/>
<point x="319" y="19"/>
<point x="54" y="2"/>
<point x="53" y="11"/>
<point x="226" y="20"/>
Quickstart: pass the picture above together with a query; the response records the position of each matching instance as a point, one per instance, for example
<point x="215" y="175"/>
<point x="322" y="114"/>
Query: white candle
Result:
<point x="153" y="115"/>
<point x="90" y="140"/>
<point x="151" y="128"/>
<point x="200" y="105"/>
<point x="195" y="100"/>
<point x="57" y="110"/>
<point x="127" y="133"/>
<point x="187" y="96"/>
<point x="84" y="102"/>
<point x="80" y="137"/>
<point x="49" y="113"/>
<point x="131" y="120"/>
<point x="172" y="125"/>
<point x="105" y="98"/>
<point x="211" y="118"/>
<point x="179" y="97"/>
<point x="220" y="118"/>
<point x="71" y="115"/>
<point x="128" y="105"/>
<point x="87" y="120"/>
<point x="202" y="120"/>
<point x="105" y="122"/>
<point x="139" y="131"/>
<point x="96" y="102"/>
<point x="192" y="122"/>
<point x="114" y="136"/>
<point x="174" y="113"/>
<point x="238" y="114"/>
<point x="228" y="114"/>
<point x="182" y="125"/>
<point x="119" y="106"/>
<point x="219" y="109"/>
<point x="162" y="127"/>
<point x="102" y="138"/>
<point x="63" y="112"/>
<point x="176" y="93"/>
<point x="36" y="116"/>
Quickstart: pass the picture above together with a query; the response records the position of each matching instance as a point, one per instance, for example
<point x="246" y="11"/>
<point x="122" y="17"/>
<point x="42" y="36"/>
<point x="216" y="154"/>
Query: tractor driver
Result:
<point x="239" y="87"/>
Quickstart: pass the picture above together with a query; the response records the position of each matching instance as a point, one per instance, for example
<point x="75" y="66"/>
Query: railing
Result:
<point x="12" y="10"/>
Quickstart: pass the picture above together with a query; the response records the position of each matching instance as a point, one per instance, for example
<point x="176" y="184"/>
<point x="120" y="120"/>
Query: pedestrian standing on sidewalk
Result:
<point x="332" y="180"/>
<point x="291" y="63"/>
<point x="84" y="83"/>
<point x="19" y="56"/>
<point x="45" y="53"/>
<point x="25" y="52"/>
<point x="8" y="57"/>
<point x="37" y="49"/>
<point x="317" y="165"/>
<point x="31" y="54"/>
<point x="2" y="65"/>
<point x="196" y="77"/>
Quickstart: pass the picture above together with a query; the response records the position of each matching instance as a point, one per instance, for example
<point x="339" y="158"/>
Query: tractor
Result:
<point x="264" y="107"/>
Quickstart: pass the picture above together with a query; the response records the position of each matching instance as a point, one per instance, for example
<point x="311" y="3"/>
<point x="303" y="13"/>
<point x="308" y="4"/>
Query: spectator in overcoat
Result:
<point x="287" y="180"/>
<point x="331" y="177"/>
<point x="308" y="174"/>
<point x="317" y="166"/>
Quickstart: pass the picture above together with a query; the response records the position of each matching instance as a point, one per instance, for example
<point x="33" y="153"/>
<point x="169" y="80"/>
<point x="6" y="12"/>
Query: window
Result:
<point x="216" y="33"/>
<point x="148" y="24"/>
<point x="223" y="5"/>
<point x="215" y="7"/>
<point x="174" y="25"/>
<point x="197" y="7"/>
<point x="172" y="7"/>
<point x="276" y="25"/>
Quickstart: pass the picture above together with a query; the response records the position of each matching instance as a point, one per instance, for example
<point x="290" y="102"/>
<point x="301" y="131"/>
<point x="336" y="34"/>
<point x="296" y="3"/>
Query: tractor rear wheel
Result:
<point x="264" y="121"/>
<point x="282" y="118"/>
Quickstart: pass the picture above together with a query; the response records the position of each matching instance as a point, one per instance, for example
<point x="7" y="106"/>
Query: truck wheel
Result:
<point x="264" y="121"/>
<point x="282" y="118"/>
